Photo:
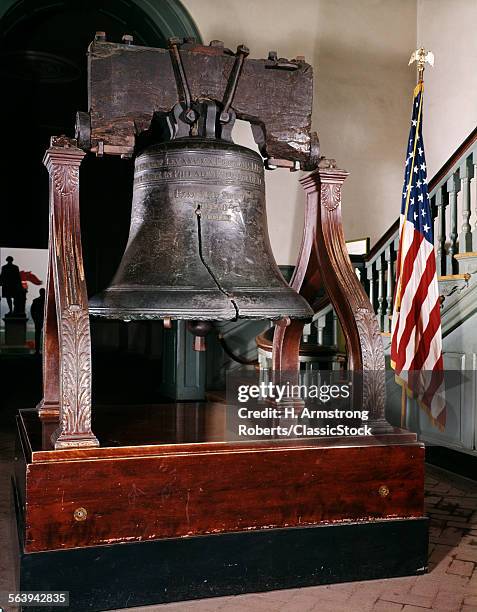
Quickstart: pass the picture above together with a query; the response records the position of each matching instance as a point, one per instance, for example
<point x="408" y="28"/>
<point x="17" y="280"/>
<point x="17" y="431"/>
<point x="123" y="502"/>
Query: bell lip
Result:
<point x="112" y="303"/>
<point x="273" y="314"/>
<point x="121" y="303"/>
<point x="157" y="314"/>
<point x="142" y="315"/>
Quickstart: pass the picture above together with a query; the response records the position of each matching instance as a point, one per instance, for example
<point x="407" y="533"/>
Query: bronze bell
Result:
<point x="198" y="245"/>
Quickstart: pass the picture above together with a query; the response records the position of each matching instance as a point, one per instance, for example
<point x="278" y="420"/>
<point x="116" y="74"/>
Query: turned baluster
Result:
<point x="474" y="233"/>
<point x="441" y="203"/>
<point x="371" y="280"/>
<point x="465" y="237"/>
<point x="334" y="339"/>
<point x="389" y="255"/>
<point x="380" y="311"/>
<point x="432" y="202"/>
<point x="453" y="187"/>
<point x="320" y="326"/>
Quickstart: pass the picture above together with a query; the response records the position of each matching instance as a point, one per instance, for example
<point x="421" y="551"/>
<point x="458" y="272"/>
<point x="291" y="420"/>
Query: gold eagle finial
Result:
<point x="421" y="56"/>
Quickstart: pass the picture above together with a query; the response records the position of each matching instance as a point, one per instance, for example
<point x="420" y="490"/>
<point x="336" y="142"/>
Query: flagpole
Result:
<point x="411" y="349"/>
<point x="421" y="56"/>
<point x="403" y="407"/>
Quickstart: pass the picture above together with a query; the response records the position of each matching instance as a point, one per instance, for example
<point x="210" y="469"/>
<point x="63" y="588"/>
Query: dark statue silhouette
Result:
<point x="37" y="314"/>
<point x="12" y="288"/>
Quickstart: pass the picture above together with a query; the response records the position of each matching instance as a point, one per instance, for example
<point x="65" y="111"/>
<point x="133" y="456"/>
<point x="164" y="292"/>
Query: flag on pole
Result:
<point x="416" y="339"/>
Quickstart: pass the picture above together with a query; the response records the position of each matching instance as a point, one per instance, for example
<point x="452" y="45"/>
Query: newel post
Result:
<point x="355" y="312"/>
<point x="67" y="341"/>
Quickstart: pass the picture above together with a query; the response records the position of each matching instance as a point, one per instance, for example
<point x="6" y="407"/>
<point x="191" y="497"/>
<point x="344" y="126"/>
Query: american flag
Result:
<point x="416" y="343"/>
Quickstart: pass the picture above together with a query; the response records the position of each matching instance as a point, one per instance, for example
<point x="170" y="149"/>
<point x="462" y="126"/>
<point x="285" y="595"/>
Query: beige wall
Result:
<point x="359" y="50"/>
<point x="449" y="29"/>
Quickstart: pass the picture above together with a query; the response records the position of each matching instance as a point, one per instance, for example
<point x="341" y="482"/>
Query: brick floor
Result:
<point x="450" y="585"/>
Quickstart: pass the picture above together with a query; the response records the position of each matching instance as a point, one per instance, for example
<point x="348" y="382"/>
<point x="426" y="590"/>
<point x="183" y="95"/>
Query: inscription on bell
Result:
<point x="215" y="175"/>
<point x="182" y="195"/>
<point x="211" y="161"/>
<point x="215" y="211"/>
<point x="213" y="206"/>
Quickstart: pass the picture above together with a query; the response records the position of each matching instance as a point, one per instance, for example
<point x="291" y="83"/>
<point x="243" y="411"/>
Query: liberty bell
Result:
<point x="198" y="246"/>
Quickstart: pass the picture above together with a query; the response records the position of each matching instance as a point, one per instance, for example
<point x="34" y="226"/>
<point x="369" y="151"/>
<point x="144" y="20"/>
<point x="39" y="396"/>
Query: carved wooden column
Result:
<point x="67" y="342"/>
<point x="354" y="310"/>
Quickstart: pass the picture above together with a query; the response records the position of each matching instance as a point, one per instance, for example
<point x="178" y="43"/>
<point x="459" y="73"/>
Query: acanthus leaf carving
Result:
<point x="76" y="370"/>
<point x="65" y="179"/>
<point x="330" y="195"/>
<point x="374" y="380"/>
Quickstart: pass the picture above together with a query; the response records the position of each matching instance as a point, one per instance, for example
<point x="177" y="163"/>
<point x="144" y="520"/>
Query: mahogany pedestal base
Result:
<point x="166" y="509"/>
<point x="178" y="569"/>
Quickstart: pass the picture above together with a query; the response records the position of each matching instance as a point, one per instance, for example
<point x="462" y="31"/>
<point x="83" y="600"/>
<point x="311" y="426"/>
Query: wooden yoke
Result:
<point x="67" y="343"/>
<point x="324" y="247"/>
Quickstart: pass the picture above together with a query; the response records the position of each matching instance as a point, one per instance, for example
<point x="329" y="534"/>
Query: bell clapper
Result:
<point x="199" y="329"/>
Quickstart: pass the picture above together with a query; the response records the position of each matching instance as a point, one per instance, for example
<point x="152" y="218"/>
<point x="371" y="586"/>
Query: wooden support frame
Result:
<point x="324" y="261"/>
<point x="67" y="341"/>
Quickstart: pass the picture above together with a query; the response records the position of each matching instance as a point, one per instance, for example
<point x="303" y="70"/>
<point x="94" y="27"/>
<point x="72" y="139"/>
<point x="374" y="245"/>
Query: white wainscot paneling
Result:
<point x="461" y="399"/>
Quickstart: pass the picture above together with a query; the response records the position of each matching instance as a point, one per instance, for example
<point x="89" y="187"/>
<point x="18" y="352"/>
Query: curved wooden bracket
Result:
<point x="67" y="342"/>
<point x="324" y="260"/>
<point x="286" y="345"/>
<point x="349" y="299"/>
<point x="307" y="281"/>
<point x="49" y="407"/>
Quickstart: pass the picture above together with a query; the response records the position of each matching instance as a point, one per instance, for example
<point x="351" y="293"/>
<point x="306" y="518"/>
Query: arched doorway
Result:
<point x="43" y="74"/>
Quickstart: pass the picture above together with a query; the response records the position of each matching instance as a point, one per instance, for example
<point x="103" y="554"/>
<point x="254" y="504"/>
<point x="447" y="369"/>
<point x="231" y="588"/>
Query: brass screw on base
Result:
<point x="80" y="514"/>
<point x="383" y="491"/>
